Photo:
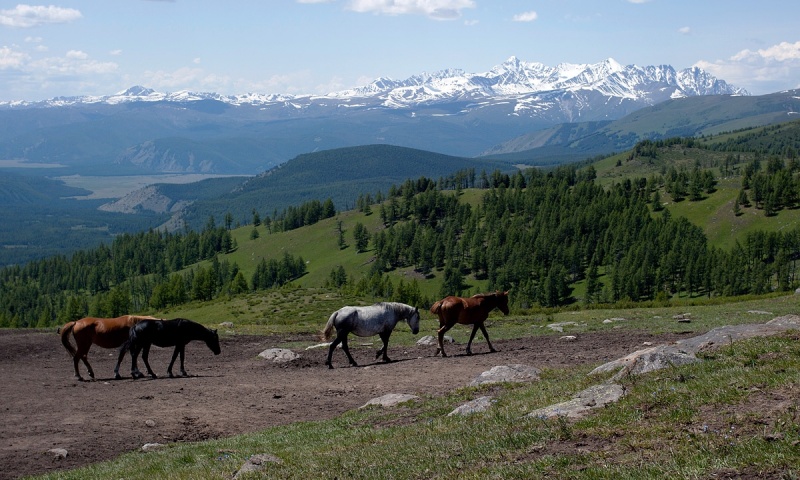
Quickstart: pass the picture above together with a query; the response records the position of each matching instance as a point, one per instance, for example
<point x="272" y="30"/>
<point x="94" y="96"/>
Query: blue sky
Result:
<point x="100" y="47"/>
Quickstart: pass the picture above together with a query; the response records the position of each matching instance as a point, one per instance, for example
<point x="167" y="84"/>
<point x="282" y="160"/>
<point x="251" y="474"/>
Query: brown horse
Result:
<point x="468" y="311"/>
<point x="103" y="332"/>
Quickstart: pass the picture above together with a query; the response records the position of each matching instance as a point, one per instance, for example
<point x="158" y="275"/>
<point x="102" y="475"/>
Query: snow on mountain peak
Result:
<point x="508" y="81"/>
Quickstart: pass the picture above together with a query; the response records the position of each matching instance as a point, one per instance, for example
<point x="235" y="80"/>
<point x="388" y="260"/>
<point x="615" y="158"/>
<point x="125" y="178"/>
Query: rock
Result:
<point x="722" y="336"/>
<point x="279" y="355"/>
<point x="507" y="373"/>
<point x="593" y="397"/>
<point x="390" y="400"/>
<point x="568" y="338"/>
<point x="256" y="463"/>
<point x="150" y="423"/>
<point x="58" y="453"/>
<point x="559" y="327"/>
<point x="226" y="325"/>
<point x="149" y="447"/>
<point x="429" y="340"/>
<point x="319" y="345"/>
<point x="480" y="404"/>
<point x="648" y="360"/>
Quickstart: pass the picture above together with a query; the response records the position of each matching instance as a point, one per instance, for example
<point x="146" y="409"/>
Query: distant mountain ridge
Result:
<point x="449" y="111"/>
<point x="511" y="79"/>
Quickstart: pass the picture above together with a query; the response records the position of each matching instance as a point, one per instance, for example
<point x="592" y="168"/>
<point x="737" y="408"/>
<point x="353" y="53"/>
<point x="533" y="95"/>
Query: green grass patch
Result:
<point x="733" y="414"/>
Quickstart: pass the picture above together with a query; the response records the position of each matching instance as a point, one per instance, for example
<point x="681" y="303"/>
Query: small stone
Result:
<point x="58" y="453"/>
<point x="279" y="355"/>
<point x="150" y="423"/>
<point x="149" y="447"/>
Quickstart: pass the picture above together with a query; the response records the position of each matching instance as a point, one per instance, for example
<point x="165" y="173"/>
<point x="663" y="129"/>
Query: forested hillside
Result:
<point x="339" y="174"/>
<point x="537" y="233"/>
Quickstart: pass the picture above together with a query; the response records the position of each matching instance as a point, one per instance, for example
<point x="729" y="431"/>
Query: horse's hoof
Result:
<point x="330" y="367"/>
<point x="117" y="376"/>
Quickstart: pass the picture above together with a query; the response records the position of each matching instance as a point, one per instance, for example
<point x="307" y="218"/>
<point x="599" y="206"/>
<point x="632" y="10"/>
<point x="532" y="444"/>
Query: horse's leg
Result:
<point x="122" y="350"/>
<point x="82" y="353"/>
<point x="135" y="373"/>
<point x="335" y="342"/>
<point x="442" y="329"/>
<point x="179" y="350"/>
<point x="385" y="338"/>
<point x="76" y="359"/>
<point x="183" y="352"/>
<point x="145" y="355"/>
<point x="486" y="336"/>
<point x="472" y="337"/>
<point x="347" y="351"/>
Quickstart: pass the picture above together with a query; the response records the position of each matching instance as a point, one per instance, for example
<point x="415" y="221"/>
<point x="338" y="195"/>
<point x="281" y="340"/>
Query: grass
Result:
<point x="713" y="418"/>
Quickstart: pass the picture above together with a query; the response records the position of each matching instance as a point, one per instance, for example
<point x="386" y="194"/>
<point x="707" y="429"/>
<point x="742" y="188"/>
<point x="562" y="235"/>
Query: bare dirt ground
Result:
<point x="233" y="393"/>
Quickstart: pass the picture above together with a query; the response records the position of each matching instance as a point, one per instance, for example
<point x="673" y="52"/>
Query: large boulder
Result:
<point x="507" y="373"/>
<point x="579" y="405"/>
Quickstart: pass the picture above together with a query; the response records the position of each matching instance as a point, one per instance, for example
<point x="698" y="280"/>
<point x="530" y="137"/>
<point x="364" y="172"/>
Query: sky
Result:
<point x="101" y="47"/>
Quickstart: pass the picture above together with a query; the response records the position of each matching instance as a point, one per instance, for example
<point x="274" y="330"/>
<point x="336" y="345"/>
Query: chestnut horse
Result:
<point x="468" y="311"/>
<point x="103" y="332"/>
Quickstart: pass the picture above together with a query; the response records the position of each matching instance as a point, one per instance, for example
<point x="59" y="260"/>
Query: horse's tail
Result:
<point x="64" y="332"/>
<point x="435" y="307"/>
<point x="327" y="332"/>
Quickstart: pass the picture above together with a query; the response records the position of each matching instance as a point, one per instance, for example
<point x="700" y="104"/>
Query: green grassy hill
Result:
<point x="715" y="212"/>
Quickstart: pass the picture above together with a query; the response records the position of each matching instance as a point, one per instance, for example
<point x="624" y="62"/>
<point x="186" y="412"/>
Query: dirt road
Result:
<point x="235" y="392"/>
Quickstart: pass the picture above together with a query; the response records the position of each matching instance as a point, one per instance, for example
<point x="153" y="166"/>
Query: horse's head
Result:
<point x="413" y="321"/>
<point x="502" y="301"/>
<point x="213" y="342"/>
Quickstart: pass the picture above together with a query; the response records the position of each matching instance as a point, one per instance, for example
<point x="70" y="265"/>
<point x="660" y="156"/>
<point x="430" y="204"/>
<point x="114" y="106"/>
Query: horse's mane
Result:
<point x="486" y="295"/>
<point x="396" y="306"/>
<point x="142" y="317"/>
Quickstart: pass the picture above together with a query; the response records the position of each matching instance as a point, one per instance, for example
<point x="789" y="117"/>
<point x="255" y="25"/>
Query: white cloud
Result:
<point x="11" y="59"/>
<point x="761" y="71"/>
<point x="526" y="16"/>
<point x="436" y="9"/>
<point x="27" y="16"/>
<point x="685" y="30"/>
<point x="117" y="52"/>
<point x="77" y="55"/>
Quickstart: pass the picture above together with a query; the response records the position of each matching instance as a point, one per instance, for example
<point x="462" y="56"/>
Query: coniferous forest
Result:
<point x="558" y="237"/>
<point x="535" y="232"/>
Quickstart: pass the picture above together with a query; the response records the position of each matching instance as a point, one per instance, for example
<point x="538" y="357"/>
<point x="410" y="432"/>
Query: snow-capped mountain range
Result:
<point x="449" y="111"/>
<point x="514" y="79"/>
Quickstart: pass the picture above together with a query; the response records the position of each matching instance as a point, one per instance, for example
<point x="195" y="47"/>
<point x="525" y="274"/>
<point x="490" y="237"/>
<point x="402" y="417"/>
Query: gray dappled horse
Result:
<point x="379" y="319"/>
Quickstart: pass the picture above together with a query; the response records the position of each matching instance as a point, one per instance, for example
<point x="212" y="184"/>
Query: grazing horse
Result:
<point x="167" y="333"/>
<point x="104" y="332"/>
<point x="468" y="311"/>
<point x="379" y="319"/>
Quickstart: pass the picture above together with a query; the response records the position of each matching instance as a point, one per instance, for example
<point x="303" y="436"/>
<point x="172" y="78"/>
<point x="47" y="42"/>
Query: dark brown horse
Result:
<point x="468" y="311"/>
<point x="167" y="333"/>
<point x="103" y="332"/>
